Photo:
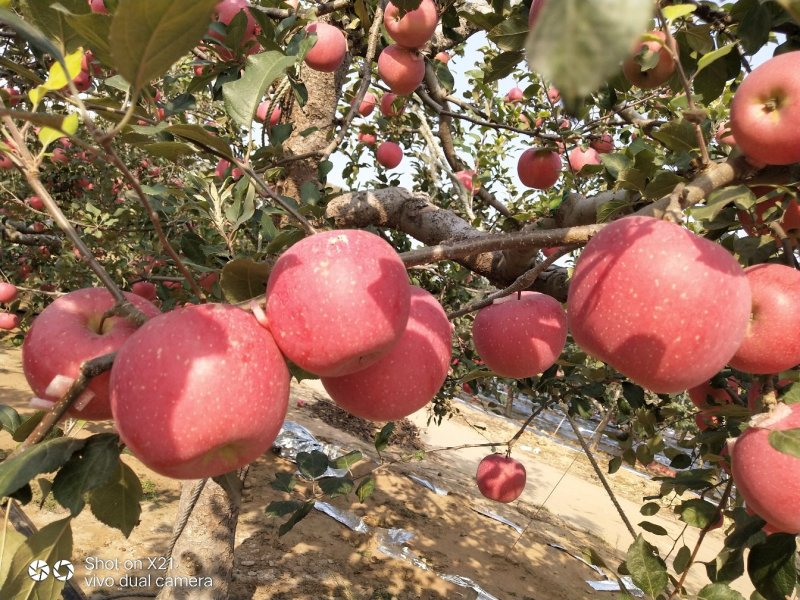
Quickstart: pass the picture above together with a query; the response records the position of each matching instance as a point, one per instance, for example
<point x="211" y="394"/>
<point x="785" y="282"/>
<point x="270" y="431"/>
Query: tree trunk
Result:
<point x="205" y="548"/>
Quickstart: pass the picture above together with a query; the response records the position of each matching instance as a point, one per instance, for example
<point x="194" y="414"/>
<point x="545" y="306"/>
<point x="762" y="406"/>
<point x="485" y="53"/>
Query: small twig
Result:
<point x="521" y="283"/>
<point x="786" y="244"/>
<point x="89" y="369"/>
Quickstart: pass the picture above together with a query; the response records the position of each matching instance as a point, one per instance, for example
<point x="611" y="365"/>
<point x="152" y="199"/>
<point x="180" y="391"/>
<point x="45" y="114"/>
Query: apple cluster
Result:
<point x="8" y="293"/>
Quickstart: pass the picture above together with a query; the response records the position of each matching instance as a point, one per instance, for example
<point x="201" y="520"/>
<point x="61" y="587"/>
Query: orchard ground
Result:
<point x="563" y="503"/>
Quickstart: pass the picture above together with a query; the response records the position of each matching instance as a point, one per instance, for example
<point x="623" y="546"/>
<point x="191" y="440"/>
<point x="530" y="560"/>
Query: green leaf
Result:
<point x="792" y="7"/>
<point x="117" y="503"/>
<point x="786" y="441"/>
<point x="647" y="569"/>
<point x="146" y="38"/>
<point x="9" y="419"/>
<point x="347" y="460"/>
<point x="653" y="528"/>
<point x="296" y="517"/>
<point x="312" y="464"/>
<point x="676" y="11"/>
<point x="25" y="428"/>
<point x="444" y="75"/>
<point x="93" y="30"/>
<point x="281" y="508"/>
<point x="510" y="34"/>
<point x="696" y="512"/>
<point x="41" y="458"/>
<point x="68" y="126"/>
<point x="336" y="486"/>
<point x="662" y="184"/>
<point x="50" y="544"/>
<point x="709" y="58"/>
<point x="382" y="437"/>
<point x="771" y="566"/>
<point x="649" y="509"/>
<point x="719" y="199"/>
<point x="579" y="44"/>
<point x="719" y="591"/>
<point x="678" y="136"/>
<point x="53" y="23"/>
<point x="284" y="482"/>
<point x="682" y="558"/>
<point x="57" y="77"/>
<point x="243" y="279"/>
<point x="202" y="137"/>
<point x="502" y="66"/>
<point x="614" y="465"/>
<point x="365" y="488"/>
<point x="243" y="95"/>
<point x="10" y="541"/>
<point x="90" y="467"/>
<point x="173" y="151"/>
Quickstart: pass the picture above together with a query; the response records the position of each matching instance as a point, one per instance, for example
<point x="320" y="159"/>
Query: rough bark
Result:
<point x="205" y="547"/>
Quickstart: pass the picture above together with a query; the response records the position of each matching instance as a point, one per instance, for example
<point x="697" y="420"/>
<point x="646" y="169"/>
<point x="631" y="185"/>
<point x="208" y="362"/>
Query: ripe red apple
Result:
<point x="145" y="289"/>
<point x="367" y="104"/>
<point x="5" y="162"/>
<point x="724" y="135"/>
<point x="389" y="154"/>
<point x="700" y="394"/>
<point x="261" y="113"/>
<point x="767" y="479"/>
<point x="199" y="391"/>
<point x="208" y="280"/>
<point x="401" y="69"/>
<point x="515" y="94"/>
<point x="98" y="7"/>
<point x="8" y="321"/>
<point x="756" y="227"/>
<point x="579" y="158"/>
<point x="553" y="94"/>
<point x="389" y="107"/>
<point x="663" y="306"/>
<point x="337" y="301"/>
<point x="368" y="139"/>
<point x="770" y="346"/>
<point x="520" y="337"/>
<point x="227" y="10"/>
<point x="466" y="178"/>
<point x="8" y="292"/>
<point x="501" y="478"/>
<point x="765" y="110"/>
<point x="90" y="65"/>
<point x="538" y="168"/>
<point x="442" y="57"/>
<point x="222" y="169"/>
<point x="408" y="376"/>
<point x="329" y="51"/>
<point x="70" y="331"/>
<point x="414" y="28"/>
<point x="35" y="202"/>
<point x="82" y="81"/>
<point x="59" y="155"/>
<point x="548" y="252"/>
<point x="11" y="96"/>
<point x="660" y="73"/>
<point x="533" y="14"/>
<point x="603" y="144"/>
<point x="706" y="421"/>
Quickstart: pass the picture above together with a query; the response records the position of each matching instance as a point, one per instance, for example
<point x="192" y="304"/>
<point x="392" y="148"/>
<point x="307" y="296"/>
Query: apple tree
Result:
<point x="600" y="213"/>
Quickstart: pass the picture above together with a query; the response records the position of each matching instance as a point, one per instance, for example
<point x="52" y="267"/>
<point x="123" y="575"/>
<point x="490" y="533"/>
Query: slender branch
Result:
<point x="786" y="244"/>
<point x="599" y="472"/>
<point x="89" y="369"/>
<point x="523" y="282"/>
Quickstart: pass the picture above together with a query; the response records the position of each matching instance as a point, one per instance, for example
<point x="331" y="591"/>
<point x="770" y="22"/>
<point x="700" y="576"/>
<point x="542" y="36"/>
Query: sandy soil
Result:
<point x="563" y="504"/>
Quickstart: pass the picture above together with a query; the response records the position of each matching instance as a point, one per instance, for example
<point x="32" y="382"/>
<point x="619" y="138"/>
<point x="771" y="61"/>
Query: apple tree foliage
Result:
<point x="171" y="96"/>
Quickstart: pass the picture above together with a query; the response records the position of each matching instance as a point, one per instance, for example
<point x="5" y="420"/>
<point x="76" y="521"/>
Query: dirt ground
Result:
<point x="563" y="504"/>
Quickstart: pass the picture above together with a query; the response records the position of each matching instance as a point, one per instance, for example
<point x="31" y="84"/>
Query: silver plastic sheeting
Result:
<point x="594" y="568"/>
<point x="611" y="585"/>
<point x="496" y="517"/>
<point x="431" y="486"/>
<point x="293" y="438"/>
<point x="350" y="520"/>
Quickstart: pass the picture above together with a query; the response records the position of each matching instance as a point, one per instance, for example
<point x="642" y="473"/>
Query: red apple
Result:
<point x="98" y="6"/>
<point x="8" y="292"/>
<point x="337" y="301"/>
<point x="756" y="227"/>
<point x="5" y="162"/>
<point x="767" y="479"/>
<point x="401" y="69"/>
<point x="329" y="51"/>
<point x="8" y="321"/>
<point x="520" y="337"/>
<point x="11" y="96"/>
<point x="368" y="139"/>
<point x="724" y="135"/>
<point x="70" y="331"/>
<point x="548" y="252"/>
<point x="90" y="65"/>
<point x="533" y="14"/>
<point x="657" y="75"/>
<point x="408" y="376"/>
<point x="414" y="28"/>
<point x="665" y="307"/>
<point x="770" y="345"/>
<point x="389" y="107"/>
<point x="261" y="113"/>
<point x="389" y="154"/>
<point x="442" y="57"/>
<point x="700" y="395"/>
<point x="515" y="94"/>
<point x="223" y="166"/>
<point x="765" y="110"/>
<point x="208" y="280"/>
<point x="60" y="156"/>
<point x="553" y="94"/>
<point x="227" y="10"/>
<point x="706" y="421"/>
<point x="82" y="81"/>
<point x="466" y="177"/>
<point x="579" y="158"/>
<point x="145" y="289"/>
<point x="539" y="169"/>
<point x="35" y="202"/>
<point x="199" y="391"/>
<point x="501" y="478"/>
<point x="603" y="144"/>
<point x="367" y="104"/>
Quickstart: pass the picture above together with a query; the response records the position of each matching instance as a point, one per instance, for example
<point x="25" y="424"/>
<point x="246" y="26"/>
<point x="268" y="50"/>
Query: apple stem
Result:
<point x="89" y="369"/>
